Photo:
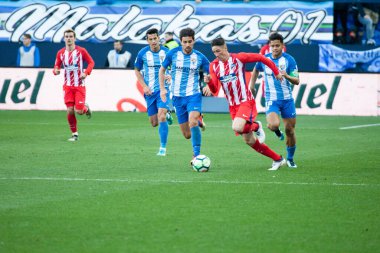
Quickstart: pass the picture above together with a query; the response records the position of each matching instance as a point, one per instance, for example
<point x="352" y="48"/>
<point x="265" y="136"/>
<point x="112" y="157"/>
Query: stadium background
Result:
<point x="308" y="27"/>
<point x="109" y="192"/>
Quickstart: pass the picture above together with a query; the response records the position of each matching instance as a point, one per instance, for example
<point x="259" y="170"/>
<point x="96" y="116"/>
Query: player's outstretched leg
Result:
<point x="263" y="149"/>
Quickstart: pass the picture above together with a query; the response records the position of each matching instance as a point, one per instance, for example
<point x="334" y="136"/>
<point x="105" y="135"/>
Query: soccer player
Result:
<point x="228" y="69"/>
<point x="185" y="63"/>
<point x="278" y="94"/>
<point x="147" y="66"/>
<point x="265" y="50"/>
<point x="72" y="58"/>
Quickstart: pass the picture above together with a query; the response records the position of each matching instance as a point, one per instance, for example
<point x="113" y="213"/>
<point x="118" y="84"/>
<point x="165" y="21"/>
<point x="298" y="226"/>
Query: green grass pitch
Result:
<point x="109" y="192"/>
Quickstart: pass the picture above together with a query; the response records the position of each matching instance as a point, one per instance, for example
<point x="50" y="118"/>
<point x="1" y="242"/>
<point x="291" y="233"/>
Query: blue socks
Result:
<point x="163" y="131"/>
<point x="291" y="151"/>
<point x="196" y="139"/>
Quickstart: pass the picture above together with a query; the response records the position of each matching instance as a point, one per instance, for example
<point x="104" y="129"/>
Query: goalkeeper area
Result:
<point x="109" y="192"/>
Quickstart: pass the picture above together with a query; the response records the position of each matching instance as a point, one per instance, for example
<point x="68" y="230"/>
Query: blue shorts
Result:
<point x="154" y="102"/>
<point x="285" y="107"/>
<point x="185" y="105"/>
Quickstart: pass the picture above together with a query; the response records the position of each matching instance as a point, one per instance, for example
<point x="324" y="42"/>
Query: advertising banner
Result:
<point x="299" y="22"/>
<point x="335" y="59"/>
<point x="117" y="90"/>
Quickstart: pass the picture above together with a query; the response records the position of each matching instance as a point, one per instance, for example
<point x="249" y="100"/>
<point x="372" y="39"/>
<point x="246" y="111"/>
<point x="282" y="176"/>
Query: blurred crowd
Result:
<point x="357" y="23"/>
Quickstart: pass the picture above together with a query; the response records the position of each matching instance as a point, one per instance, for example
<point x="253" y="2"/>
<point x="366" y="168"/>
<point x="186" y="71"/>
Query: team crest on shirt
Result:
<point x="233" y="67"/>
<point x="282" y="67"/>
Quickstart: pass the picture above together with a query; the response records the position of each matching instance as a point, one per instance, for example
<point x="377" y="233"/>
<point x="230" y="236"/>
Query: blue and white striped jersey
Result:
<point x="185" y="71"/>
<point x="275" y="89"/>
<point x="149" y="63"/>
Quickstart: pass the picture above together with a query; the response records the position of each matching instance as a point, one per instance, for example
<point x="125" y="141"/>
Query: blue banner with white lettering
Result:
<point x="335" y="59"/>
<point x="299" y="22"/>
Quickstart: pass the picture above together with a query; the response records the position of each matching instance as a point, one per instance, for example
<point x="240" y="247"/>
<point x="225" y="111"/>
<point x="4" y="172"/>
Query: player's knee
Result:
<point x="187" y="135"/>
<point x="273" y="126"/>
<point x="238" y="129"/>
<point x="289" y="131"/>
<point x="193" y="123"/>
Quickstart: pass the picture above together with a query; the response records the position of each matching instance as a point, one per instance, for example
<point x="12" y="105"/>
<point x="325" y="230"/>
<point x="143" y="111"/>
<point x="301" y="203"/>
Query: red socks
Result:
<point x="265" y="150"/>
<point x="72" y="122"/>
<point x="249" y="127"/>
<point x="255" y="127"/>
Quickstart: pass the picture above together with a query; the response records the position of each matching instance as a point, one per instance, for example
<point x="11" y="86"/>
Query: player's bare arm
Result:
<point x="206" y="90"/>
<point x="254" y="75"/>
<point x="294" y="79"/>
<point x="161" y="77"/>
<point x="140" y="78"/>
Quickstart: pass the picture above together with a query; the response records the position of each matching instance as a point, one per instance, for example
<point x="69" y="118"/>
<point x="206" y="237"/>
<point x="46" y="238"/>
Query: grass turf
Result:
<point x="109" y="192"/>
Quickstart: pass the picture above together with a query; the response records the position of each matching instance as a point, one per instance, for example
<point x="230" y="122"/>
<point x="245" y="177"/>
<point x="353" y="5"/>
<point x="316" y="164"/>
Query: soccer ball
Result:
<point x="201" y="163"/>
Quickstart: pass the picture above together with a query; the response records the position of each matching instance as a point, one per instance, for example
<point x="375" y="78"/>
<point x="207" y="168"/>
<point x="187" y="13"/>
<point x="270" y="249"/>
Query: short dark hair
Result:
<point x="118" y="41"/>
<point x="218" y="42"/>
<point x="152" y="31"/>
<point x="69" y="31"/>
<point x="276" y="36"/>
<point x="27" y="35"/>
<point x="186" y="32"/>
<point x="169" y="33"/>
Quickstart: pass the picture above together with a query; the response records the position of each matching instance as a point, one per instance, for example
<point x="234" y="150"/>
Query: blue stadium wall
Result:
<point x="304" y="48"/>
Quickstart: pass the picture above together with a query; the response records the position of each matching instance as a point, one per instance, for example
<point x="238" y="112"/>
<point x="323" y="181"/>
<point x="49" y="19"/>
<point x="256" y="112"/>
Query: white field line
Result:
<point x="359" y="126"/>
<point x="154" y="181"/>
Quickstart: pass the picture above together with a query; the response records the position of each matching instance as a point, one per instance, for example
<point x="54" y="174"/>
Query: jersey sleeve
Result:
<point x="214" y="82"/>
<point x="139" y="61"/>
<point x="292" y="67"/>
<point x="58" y="61"/>
<point x="253" y="57"/>
<point x="168" y="59"/>
<point x="205" y="64"/>
<point x="90" y="62"/>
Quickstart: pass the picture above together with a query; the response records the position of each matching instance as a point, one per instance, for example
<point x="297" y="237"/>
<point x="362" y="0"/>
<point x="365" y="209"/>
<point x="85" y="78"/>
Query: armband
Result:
<point x="294" y="73"/>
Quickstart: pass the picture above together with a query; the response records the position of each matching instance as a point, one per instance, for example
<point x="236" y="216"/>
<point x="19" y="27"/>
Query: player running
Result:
<point x="228" y="70"/>
<point x="185" y="63"/>
<point x="72" y="57"/>
<point x="278" y="93"/>
<point x="147" y="65"/>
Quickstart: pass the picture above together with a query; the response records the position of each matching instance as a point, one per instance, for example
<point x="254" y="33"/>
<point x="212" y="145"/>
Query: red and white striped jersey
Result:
<point x="231" y="75"/>
<point x="72" y="62"/>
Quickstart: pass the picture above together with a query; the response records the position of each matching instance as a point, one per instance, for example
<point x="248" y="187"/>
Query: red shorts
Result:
<point x="246" y="110"/>
<point x="75" y="96"/>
